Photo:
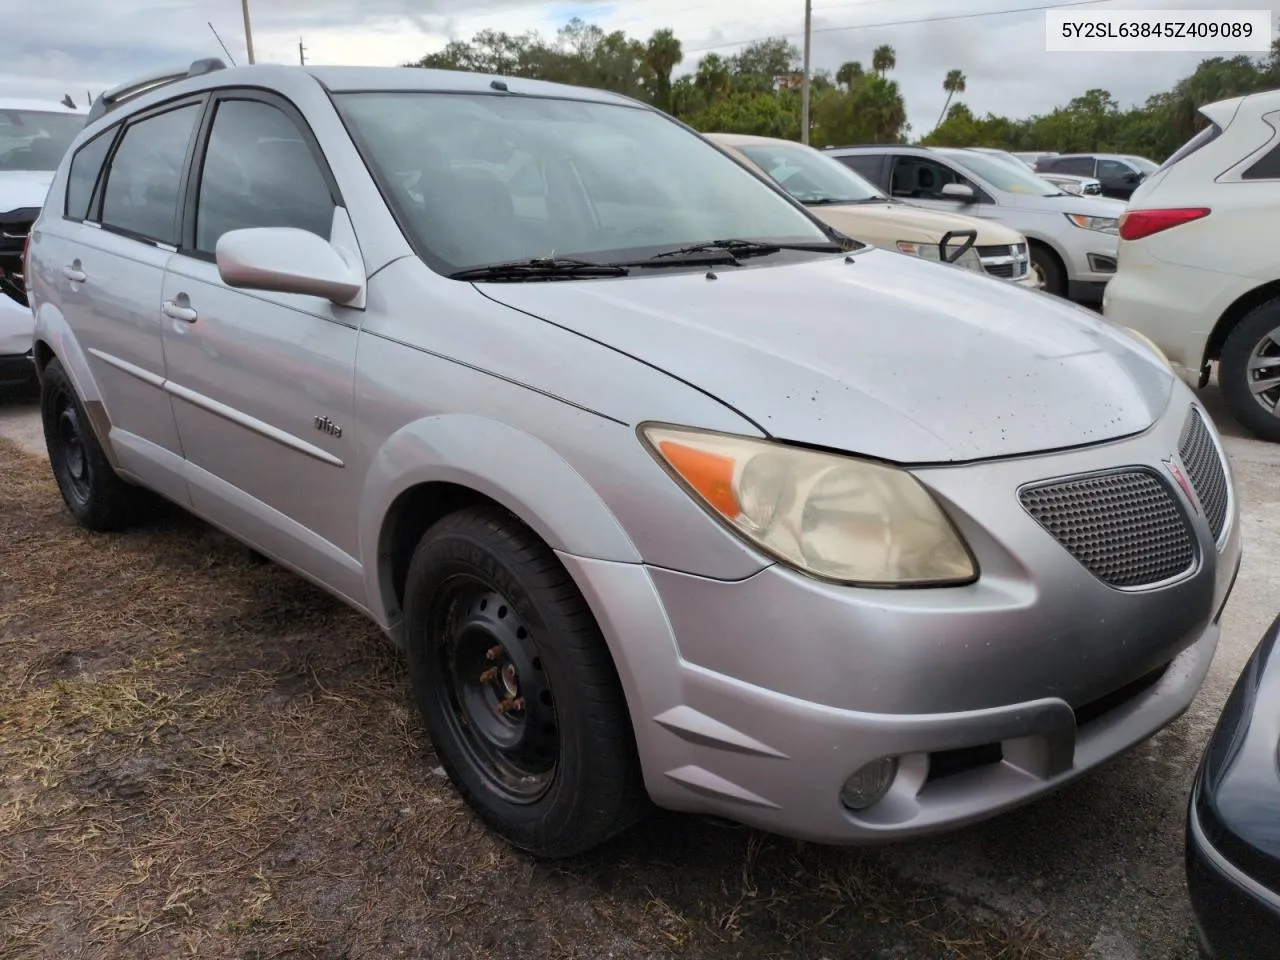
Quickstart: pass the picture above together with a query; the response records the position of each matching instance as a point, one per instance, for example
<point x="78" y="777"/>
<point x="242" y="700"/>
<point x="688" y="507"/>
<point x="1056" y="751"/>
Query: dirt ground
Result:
<point x="201" y="754"/>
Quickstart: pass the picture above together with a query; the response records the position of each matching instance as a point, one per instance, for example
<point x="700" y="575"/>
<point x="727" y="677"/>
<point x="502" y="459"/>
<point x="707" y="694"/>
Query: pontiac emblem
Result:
<point x="1182" y="482"/>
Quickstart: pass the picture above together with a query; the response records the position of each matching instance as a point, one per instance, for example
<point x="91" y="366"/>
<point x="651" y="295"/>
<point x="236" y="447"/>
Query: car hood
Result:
<point x="887" y="223"/>
<point x="885" y="355"/>
<point x="23" y="188"/>
<point x="1088" y="206"/>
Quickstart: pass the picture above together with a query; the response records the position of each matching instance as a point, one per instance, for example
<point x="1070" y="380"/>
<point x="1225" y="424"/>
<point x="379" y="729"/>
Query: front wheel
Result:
<point x="516" y="686"/>
<point x="1249" y="371"/>
<point x="1048" y="272"/>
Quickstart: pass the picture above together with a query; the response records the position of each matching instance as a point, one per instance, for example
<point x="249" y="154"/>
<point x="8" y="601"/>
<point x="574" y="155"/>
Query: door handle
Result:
<point x="172" y="308"/>
<point x="74" y="273"/>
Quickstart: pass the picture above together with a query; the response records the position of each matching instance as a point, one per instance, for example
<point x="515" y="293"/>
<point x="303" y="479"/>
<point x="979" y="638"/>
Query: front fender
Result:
<point x="501" y="462"/>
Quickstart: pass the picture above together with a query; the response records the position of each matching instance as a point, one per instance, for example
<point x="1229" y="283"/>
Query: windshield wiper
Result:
<point x="745" y="248"/>
<point x="541" y="268"/>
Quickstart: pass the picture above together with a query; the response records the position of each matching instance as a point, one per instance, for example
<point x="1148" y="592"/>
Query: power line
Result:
<point x="900" y="23"/>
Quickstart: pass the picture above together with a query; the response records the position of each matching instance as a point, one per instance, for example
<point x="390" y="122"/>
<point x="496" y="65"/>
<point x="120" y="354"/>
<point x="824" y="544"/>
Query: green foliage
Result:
<point x="757" y="91"/>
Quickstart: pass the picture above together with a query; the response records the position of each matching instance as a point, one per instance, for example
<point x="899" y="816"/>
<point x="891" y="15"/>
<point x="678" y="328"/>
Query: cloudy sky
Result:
<point x="74" y="45"/>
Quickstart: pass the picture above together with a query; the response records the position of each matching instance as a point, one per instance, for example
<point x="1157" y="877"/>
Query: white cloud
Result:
<point x="76" y="44"/>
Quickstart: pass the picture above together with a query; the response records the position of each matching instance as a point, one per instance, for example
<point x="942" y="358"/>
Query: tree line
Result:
<point x="757" y="91"/>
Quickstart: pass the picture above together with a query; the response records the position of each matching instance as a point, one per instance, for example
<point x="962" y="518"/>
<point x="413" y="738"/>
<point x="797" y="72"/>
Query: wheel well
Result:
<point x="410" y="516"/>
<point x="1234" y="314"/>
<point x="43" y="354"/>
<point x="1040" y="244"/>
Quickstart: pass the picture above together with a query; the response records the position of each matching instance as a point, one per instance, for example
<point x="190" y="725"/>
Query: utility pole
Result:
<point x="302" y="53"/>
<point x="804" y="80"/>
<point x="248" y="30"/>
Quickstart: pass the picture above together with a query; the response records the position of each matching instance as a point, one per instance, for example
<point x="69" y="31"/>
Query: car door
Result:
<point x="263" y="381"/>
<point x="1118" y="179"/>
<point x="111" y="257"/>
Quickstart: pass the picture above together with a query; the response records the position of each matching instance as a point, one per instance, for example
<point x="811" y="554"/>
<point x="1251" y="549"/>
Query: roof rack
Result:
<point x="135" y="88"/>
<point x="859" y="146"/>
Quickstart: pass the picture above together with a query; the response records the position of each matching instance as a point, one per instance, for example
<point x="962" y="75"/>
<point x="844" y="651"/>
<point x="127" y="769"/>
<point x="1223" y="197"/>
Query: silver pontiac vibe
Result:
<point x="670" y="492"/>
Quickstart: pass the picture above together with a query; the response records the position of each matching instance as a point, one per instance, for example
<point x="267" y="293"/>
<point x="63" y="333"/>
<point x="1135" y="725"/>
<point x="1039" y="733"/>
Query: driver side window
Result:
<point x="259" y="172"/>
<point x="918" y="178"/>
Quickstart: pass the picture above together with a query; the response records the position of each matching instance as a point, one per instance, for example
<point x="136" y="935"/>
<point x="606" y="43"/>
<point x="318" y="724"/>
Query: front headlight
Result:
<point x="833" y="517"/>
<point x="930" y="251"/>
<point x="1100" y="224"/>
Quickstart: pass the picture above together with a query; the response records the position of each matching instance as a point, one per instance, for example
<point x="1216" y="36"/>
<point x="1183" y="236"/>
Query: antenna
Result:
<point x="222" y="45"/>
<point x="302" y="53"/>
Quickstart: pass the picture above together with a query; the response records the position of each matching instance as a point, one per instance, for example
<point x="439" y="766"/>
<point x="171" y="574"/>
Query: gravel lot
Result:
<point x="205" y="754"/>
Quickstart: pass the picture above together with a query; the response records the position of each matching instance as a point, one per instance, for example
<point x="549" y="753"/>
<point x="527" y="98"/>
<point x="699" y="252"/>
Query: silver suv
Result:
<point x="1073" y="239"/>
<point x="670" y="492"/>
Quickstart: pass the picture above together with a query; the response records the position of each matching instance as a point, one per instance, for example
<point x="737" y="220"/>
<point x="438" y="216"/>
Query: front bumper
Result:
<point x="17" y="327"/>
<point x="755" y="700"/>
<point x="20" y="369"/>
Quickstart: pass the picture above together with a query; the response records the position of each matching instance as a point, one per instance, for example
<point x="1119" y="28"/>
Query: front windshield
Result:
<point x="1004" y="176"/>
<point x="480" y="179"/>
<point x="808" y="175"/>
<point x="36" y="139"/>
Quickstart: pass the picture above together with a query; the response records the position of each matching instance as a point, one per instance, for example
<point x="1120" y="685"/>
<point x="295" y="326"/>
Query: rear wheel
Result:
<point x="1249" y="371"/>
<point x="517" y="688"/>
<point x="91" y="489"/>
<point x="1048" y="272"/>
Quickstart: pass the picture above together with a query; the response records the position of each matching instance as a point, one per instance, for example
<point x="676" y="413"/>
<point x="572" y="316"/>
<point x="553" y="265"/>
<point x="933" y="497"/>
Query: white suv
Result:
<point x="34" y="135"/>
<point x="1199" y="273"/>
<point x="1073" y="239"/>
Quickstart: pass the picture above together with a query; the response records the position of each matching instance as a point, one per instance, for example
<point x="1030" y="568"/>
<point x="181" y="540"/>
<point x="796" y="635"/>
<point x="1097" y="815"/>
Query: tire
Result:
<point x="1254" y="340"/>
<point x="1046" y="264"/>
<point x="94" y="494"/>
<point x="492" y="617"/>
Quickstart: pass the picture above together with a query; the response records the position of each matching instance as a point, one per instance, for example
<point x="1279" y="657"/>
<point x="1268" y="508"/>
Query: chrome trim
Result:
<point x="251" y="423"/>
<point x="146" y="376"/>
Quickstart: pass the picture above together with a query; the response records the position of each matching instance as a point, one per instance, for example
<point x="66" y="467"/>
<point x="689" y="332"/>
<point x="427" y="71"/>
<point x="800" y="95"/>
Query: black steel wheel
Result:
<point x="94" y="494"/>
<point x="516" y="686"/>
<point x="500" y="706"/>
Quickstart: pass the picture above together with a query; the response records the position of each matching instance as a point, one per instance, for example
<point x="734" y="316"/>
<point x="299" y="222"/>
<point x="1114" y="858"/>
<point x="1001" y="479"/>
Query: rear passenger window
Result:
<point x="1267" y="168"/>
<point x="868" y="166"/>
<point x="144" y="179"/>
<point x="259" y="172"/>
<point x="1075" y="166"/>
<point x="83" y="177"/>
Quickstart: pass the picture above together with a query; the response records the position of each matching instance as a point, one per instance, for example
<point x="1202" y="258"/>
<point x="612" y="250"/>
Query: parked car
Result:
<point x="858" y="208"/>
<point x="1199" y="274"/>
<point x="670" y="492"/>
<point x="1233" y="828"/>
<point x="1072" y="239"/>
<point x="1029" y="157"/>
<point x="1119" y="174"/>
<point x="33" y="137"/>
<point x="1078" y="186"/>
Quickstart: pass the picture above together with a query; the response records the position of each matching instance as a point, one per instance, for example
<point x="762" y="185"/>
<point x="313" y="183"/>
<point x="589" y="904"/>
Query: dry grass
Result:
<point x="203" y="755"/>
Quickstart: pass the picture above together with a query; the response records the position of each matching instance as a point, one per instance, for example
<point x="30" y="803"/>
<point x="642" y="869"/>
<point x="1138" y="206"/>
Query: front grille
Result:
<point x="14" y="227"/>
<point x="1205" y="470"/>
<point x="1007" y="261"/>
<point x="1125" y="527"/>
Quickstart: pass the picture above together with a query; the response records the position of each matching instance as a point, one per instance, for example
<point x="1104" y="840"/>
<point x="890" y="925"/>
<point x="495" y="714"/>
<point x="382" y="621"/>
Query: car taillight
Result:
<point x="1136" y="224"/>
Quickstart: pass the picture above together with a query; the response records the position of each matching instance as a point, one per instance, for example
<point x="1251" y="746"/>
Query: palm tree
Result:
<point x="849" y="72"/>
<point x="662" y="54"/>
<point x="714" y="75"/>
<point x="884" y="59"/>
<point x="953" y="84"/>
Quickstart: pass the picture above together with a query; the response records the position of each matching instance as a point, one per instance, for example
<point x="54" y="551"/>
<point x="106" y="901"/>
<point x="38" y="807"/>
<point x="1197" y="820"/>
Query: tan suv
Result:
<point x="854" y="206"/>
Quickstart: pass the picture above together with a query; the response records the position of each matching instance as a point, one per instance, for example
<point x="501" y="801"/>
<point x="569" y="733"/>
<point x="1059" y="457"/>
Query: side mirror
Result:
<point x="958" y="191"/>
<point x="286" y="260"/>
<point x="1132" y="178"/>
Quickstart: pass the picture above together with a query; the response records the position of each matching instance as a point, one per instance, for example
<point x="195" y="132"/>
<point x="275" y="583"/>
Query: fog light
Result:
<point x="867" y="785"/>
